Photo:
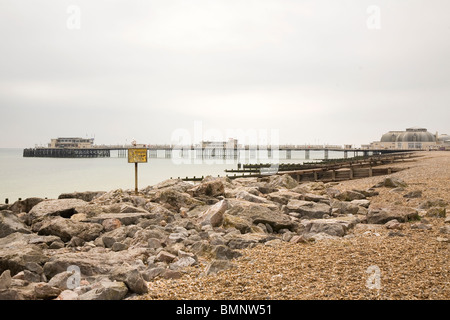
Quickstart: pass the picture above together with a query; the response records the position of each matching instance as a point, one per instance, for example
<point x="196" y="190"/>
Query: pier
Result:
<point x="282" y="152"/>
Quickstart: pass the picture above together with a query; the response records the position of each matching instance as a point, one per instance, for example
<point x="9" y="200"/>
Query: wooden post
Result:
<point x="136" y="178"/>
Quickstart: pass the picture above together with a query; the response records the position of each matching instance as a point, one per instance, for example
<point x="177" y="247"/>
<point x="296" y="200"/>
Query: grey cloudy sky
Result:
<point x="316" y="71"/>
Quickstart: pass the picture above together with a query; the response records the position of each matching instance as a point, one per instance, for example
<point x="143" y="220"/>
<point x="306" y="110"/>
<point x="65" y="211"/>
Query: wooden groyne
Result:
<point x="326" y="171"/>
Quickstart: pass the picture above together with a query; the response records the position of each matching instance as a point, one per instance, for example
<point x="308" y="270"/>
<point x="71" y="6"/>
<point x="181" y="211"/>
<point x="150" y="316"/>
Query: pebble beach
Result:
<point x="371" y="262"/>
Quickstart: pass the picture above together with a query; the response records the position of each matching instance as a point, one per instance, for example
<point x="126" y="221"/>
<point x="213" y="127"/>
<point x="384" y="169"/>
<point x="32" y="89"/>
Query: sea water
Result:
<point x="22" y="177"/>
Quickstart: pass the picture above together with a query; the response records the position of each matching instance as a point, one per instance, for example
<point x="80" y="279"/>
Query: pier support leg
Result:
<point x="326" y="155"/>
<point x="307" y="154"/>
<point x="345" y="154"/>
<point x="288" y="154"/>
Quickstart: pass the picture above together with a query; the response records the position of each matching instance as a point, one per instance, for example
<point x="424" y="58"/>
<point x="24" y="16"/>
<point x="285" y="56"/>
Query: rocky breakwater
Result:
<point x="110" y="245"/>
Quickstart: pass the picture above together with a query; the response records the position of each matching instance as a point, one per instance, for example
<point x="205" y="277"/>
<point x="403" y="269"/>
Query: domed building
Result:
<point x="411" y="138"/>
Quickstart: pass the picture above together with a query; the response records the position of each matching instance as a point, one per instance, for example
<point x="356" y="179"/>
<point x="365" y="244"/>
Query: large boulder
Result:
<point x="87" y="196"/>
<point x="392" y="182"/>
<point x="350" y="195"/>
<point x="248" y="240"/>
<point x="284" y="196"/>
<point x="241" y="224"/>
<point x="93" y="262"/>
<point x="131" y="277"/>
<point x="282" y="181"/>
<point x="336" y="227"/>
<point x="307" y="209"/>
<point x="67" y="228"/>
<point x="438" y="202"/>
<point x="124" y="218"/>
<point x="61" y="207"/>
<point x="345" y="207"/>
<point x="214" y="215"/>
<point x="176" y="200"/>
<point x="381" y="215"/>
<point x="106" y="290"/>
<point x="10" y="223"/>
<point x="259" y="213"/>
<point x="18" y="250"/>
<point x="251" y="197"/>
<point x="25" y="205"/>
<point x="211" y="188"/>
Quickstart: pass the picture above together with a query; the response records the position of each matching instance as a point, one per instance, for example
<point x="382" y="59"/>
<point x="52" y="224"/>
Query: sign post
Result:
<point x="137" y="155"/>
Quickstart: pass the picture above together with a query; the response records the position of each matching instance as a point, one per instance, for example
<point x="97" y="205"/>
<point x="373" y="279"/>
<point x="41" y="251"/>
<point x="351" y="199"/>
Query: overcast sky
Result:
<point x="326" y="72"/>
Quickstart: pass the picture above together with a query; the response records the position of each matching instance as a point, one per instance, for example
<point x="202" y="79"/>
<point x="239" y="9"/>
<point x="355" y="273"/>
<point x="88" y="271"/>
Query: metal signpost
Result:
<point x="137" y="155"/>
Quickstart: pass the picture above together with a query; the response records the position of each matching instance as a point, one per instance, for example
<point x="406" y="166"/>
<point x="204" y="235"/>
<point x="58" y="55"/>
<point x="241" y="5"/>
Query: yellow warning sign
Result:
<point x="137" y="155"/>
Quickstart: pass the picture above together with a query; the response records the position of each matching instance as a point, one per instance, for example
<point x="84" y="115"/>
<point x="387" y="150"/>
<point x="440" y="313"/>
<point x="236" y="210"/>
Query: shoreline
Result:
<point x="266" y="238"/>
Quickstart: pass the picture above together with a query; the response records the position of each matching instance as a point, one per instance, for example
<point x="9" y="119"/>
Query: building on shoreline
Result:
<point x="412" y="138"/>
<point x="79" y="143"/>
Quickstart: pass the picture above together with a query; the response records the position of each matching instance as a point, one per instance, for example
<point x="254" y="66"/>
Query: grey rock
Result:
<point x="248" y="240"/>
<point x="57" y="244"/>
<point x="217" y="266"/>
<point x="67" y="228"/>
<point x="361" y="203"/>
<point x="260" y="213"/>
<point x="5" y="280"/>
<point x="176" y="200"/>
<point x="171" y="274"/>
<point x="437" y="212"/>
<point x="344" y="207"/>
<point x="182" y="263"/>
<point x="445" y="229"/>
<point x="128" y="218"/>
<point x="152" y="273"/>
<point x="222" y="252"/>
<point x="393" y="224"/>
<point x="31" y="276"/>
<point x="62" y="207"/>
<point x="76" y="242"/>
<point x="212" y="188"/>
<point x="307" y="209"/>
<point x="284" y="196"/>
<point x="421" y="226"/>
<point x="131" y="277"/>
<point x="350" y="195"/>
<point x="316" y="198"/>
<point x="250" y="197"/>
<point x="328" y="226"/>
<point x="119" y="246"/>
<point x="45" y="291"/>
<point x="18" y="249"/>
<point x="282" y="181"/>
<point x="10" y="223"/>
<point x="413" y="194"/>
<point x="67" y="295"/>
<point x="214" y="215"/>
<point x="96" y="261"/>
<point x="60" y="280"/>
<point x="87" y="196"/>
<point x="392" y="182"/>
<point x="106" y="290"/>
<point x="25" y="205"/>
<point x="379" y="215"/>
<point x="165" y="256"/>
<point x="154" y="243"/>
<point x="34" y="267"/>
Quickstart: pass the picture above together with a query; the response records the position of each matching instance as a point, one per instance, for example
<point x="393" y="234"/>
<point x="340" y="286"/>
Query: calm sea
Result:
<point x="49" y="177"/>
